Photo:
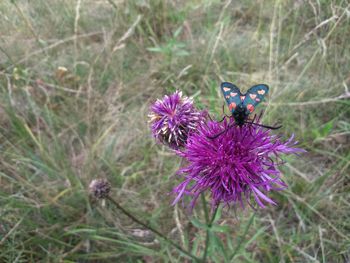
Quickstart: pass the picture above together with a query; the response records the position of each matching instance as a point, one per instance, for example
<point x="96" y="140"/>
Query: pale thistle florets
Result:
<point x="240" y="163"/>
<point x="99" y="188"/>
<point x="173" y="118"/>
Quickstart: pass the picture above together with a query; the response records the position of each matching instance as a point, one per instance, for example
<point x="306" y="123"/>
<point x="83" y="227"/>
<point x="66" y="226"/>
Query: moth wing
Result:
<point x="232" y="95"/>
<point x="254" y="96"/>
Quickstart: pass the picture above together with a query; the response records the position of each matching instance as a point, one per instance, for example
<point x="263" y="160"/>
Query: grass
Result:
<point x="76" y="81"/>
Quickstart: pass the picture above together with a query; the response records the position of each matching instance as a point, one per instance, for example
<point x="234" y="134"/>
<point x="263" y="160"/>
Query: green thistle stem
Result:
<point x="209" y="225"/>
<point x="136" y="220"/>
<point x="242" y="237"/>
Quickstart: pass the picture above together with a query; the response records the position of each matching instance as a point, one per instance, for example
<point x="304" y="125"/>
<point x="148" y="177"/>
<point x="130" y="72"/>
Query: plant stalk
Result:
<point x="209" y="224"/>
<point x="136" y="220"/>
<point x="242" y="237"/>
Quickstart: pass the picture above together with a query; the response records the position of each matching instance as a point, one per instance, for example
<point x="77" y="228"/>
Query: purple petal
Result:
<point x="241" y="162"/>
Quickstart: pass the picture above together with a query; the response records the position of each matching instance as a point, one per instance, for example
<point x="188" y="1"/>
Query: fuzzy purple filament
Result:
<point x="241" y="162"/>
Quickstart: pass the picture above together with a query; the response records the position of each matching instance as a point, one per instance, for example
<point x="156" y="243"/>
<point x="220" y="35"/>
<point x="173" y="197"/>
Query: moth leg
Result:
<point x="210" y="117"/>
<point x="223" y="111"/>
<point x="261" y="114"/>
<point x="223" y="118"/>
<point x="214" y="120"/>
<point x="222" y="132"/>
<point x="254" y="118"/>
<point x="250" y="127"/>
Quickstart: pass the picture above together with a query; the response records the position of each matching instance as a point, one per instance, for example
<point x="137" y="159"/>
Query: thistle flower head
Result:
<point x="240" y="163"/>
<point x="99" y="188"/>
<point x="173" y="118"/>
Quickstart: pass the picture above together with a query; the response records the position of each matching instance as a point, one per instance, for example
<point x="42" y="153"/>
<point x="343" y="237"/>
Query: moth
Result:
<point x="242" y="105"/>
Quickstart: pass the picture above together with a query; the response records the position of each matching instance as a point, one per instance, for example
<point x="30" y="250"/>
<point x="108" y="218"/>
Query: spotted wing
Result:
<point x="232" y="95"/>
<point x="254" y="96"/>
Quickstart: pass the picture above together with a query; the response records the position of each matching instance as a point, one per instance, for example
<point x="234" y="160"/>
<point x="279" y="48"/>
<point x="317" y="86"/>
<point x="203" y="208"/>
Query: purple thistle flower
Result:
<point x="241" y="162"/>
<point x="173" y="118"/>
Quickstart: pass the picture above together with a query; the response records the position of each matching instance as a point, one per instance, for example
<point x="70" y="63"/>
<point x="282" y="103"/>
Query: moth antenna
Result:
<point x="222" y="132"/>
<point x="264" y="126"/>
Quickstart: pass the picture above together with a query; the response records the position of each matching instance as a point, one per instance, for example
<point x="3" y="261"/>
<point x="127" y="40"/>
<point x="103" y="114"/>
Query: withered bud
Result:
<point x="99" y="188"/>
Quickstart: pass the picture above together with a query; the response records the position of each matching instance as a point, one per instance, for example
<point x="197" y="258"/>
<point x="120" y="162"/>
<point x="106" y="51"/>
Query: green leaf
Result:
<point x="155" y="49"/>
<point x="182" y="53"/>
<point x="81" y="230"/>
<point x="219" y="228"/>
<point x="257" y="234"/>
<point x="326" y="129"/>
<point x="218" y="215"/>
<point x="198" y="224"/>
<point x="195" y="245"/>
<point x="241" y="238"/>
<point x="130" y="245"/>
<point x="177" y="32"/>
<point x="216" y="244"/>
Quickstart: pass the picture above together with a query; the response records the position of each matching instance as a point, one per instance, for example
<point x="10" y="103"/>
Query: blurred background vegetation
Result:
<point x="76" y="82"/>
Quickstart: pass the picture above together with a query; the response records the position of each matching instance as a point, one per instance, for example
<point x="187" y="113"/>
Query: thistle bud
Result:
<point x="99" y="188"/>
